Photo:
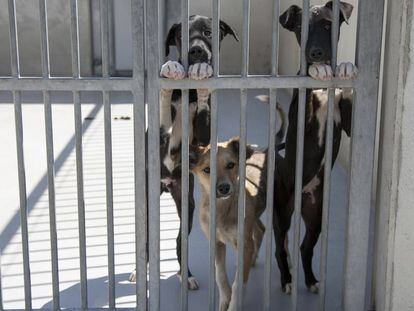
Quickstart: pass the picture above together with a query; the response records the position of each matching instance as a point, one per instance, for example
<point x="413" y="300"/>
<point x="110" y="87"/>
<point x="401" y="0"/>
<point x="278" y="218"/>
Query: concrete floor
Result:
<point x="12" y="275"/>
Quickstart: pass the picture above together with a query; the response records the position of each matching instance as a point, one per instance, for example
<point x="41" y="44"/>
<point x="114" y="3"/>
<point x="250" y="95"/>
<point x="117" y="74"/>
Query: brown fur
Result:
<point x="226" y="209"/>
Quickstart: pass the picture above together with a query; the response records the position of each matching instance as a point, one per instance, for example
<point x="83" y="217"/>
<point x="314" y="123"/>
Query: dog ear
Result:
<point x="234" y="143"/>
<point x="170" y="41"/>
<point x="345" y="8"/>
<point x="290" y="18"/>
<point x="225" y="30"/>
<point x="194" y="155"/>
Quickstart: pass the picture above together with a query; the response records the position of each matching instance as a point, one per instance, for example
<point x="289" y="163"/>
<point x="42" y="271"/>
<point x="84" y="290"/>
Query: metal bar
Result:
<point x="299" y="157"/>
<point x="241" y="199"/>
<point x="14" y="46"/>
<point x="109" y="198"/>
<point x="216" y="37"/>
<point x="52" y="199"/>
<point x="137" y="24"/>
<point x="213" y="207"/>
<point x="153" y="61"/>
<point x="1" y="287"/>
<point x="44" y="39"/>
<point x="105" y="37"/>
<point x="368" y="56"/>
<point x="275" y="37"/>
<point x="184" y="160"/>
<point x="74" y="31"/>
<point x="328" y="162"/>
<point x="126" y="84"/>
<point x="81" y="201"/>
<point x="269" y="198"/>
<point x="23" y="199"/>
<point x="245" y="40"/>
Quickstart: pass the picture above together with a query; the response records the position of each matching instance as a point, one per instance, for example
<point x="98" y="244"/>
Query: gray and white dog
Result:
<point x="199" y="60"/>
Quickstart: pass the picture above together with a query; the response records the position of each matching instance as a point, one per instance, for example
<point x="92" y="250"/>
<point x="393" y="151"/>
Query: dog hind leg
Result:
<point x="258" y="232"/>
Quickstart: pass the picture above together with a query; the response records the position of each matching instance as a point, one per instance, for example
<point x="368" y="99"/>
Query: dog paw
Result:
<point x="320" y="72"/>
<point x="288" y="289"/>
<point x="173" y="70"/>
<point x="133" y="276"/>
<point x="200" y="71"/>
<point x="224" y="304"/>
<point x="314" y="288"/>
<point x="192" y="282"/>
<point x="346" y="71"/>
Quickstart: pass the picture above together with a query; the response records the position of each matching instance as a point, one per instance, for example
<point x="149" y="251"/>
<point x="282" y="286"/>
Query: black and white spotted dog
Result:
<point x="199" y="60"/>
<point x="318" y="54"/>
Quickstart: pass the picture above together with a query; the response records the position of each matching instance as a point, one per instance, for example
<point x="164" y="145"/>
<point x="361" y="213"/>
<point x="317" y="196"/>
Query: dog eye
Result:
<point x="230" y="165"/>
<point x="207" y="33"/>
<point x="207" y="170"/>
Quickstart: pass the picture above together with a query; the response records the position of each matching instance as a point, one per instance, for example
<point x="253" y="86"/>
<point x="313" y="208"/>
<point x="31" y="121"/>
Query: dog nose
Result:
<point x="223" y="189"/>
<point x="197" y="54"/>
<point x="316" y="54"/>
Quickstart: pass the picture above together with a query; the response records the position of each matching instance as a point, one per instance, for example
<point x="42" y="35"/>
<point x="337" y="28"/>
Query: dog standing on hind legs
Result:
<point x="318" y="54"/>
<point x="199" y="60"/>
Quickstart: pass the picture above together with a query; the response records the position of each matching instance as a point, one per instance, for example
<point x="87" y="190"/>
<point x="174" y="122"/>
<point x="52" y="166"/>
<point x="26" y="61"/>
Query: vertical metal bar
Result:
<point x="328" y="162"/>
<point x="184" y="161"/>
<point x="365" y="104"/>
<point x="44" y="39"/>
<point x="241" y="199"/>
<point x="153" y="61"/>
<point x="299" y="156"/>
<point x="213" y="159"/>
<point x="245" y="40"/>
<point x="14" y="46"/>
<point x="81" y="200"/>
<point x="271" y="159"/>
<point x="109" y="198"/>
<point x="1" y="287"/>
<point x="49" y="154"/>
<point x="23" y="199"/>
<point x="138" y="72"/>
<point x="52" y="198"/>
<point x="74" y="31"/>
<point x="79" y="158"/>
<point x="14" y="51"/>
<point x="105" y="37"/>
<point x="213" y="180"/>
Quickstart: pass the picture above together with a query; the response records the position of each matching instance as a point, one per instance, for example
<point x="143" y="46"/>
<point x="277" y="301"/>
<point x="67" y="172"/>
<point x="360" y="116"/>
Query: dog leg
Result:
<point x="320" y="72"/>
<point x="165" y="109"/>
<point x="258" y="233"/>
<point x="176" y="194"/>
<point x="221" y="277"/>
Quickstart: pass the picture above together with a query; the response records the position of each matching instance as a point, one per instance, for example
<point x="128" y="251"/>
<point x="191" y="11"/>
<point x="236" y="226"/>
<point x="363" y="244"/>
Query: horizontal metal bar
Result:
<point x="127" y="84"/>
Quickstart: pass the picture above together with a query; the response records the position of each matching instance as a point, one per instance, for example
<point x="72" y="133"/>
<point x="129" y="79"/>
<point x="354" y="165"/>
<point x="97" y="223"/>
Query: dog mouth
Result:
<point x="226" y="197"/>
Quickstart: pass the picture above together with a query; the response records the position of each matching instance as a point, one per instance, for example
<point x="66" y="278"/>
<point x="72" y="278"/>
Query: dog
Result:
<point x="199" y="60"/>
<point x="227" y="204"/>
<point x="318" y="55"/>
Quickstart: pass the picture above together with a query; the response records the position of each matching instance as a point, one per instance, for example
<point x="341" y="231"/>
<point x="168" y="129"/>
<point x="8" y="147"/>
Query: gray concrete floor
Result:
<point x="12" y="275"/>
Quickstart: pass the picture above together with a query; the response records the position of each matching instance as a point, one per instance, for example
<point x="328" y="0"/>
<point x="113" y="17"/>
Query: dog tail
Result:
<point x="280" y="122"/>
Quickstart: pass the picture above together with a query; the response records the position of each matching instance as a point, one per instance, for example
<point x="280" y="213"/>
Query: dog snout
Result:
<point x="223" y="189"/>
<point x="316" y="54"/>
<point x="197" y="54"/>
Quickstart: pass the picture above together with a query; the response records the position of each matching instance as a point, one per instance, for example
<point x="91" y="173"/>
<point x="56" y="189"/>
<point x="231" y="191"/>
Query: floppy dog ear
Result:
<point x="170" y="41"/>
<point x="291" y="17"/>
<point x="225" y="30"/>
<point x="345" y="8"/>
<point x="234" y="143"/>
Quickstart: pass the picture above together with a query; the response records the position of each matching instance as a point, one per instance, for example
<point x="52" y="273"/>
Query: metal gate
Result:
<point x="145" y="85"/>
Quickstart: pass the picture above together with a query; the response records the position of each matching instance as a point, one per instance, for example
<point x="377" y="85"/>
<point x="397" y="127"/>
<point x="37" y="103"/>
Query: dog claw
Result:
<point x="200" y="71"/>
<point x="346" y="71"/>
<point x="320" y="72"/>
<point x="192" y="282"/>
<point x="288" y="289"/>
<point x="314" y="288"/>
<point x="173" y="70"/>
<point x="133" y="276"/>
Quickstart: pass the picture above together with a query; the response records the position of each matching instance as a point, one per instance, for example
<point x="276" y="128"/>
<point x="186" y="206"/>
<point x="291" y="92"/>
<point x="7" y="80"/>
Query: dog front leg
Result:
<point x="165" y="109"/>
<point x="221" y="277"/>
